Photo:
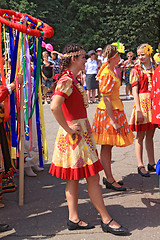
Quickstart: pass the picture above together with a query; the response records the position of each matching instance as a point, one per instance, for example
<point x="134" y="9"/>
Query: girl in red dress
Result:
<point x="141" y="119"/>
<point x="155" y="94"/>
<point x="75" y="155"/>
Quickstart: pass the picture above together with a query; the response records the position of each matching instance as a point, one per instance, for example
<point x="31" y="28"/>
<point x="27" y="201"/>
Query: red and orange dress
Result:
<point x="143" y="79"/>
<point x="75" y="155"/>
<point x="155" y="96"/>
<point x="103" y="131"/>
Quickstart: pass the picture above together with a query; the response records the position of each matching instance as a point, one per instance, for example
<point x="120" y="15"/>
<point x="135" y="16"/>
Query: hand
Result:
<point x="20" y="78"/>
<point x="45" y="78"/>
<point x="75" y="128"/>
<point x="139" y="116"/>
<point x="117" y="127"/>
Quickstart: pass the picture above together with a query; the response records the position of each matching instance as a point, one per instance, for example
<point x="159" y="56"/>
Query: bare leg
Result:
<point x="93" y="95"/>
<point x="95" y="195"/>
<point x="139" y="149"/>
<point x="150" y="146"/>
<point x="127" y="90"/>
<point x="99" y="95"/>
<point x="72" y="199"/>
<point x="71" y="191"/>
<point x="106" y="155"/>
<point x="88" y="94"/>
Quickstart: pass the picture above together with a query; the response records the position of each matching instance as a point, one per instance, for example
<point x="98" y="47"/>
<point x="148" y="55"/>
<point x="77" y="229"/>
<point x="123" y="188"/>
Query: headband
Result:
<point x="115" y="55"/>
<point x="71" y="54"/>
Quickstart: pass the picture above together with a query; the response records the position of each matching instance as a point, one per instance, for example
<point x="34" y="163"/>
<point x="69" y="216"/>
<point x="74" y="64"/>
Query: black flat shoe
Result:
<point x="143" y="174"/>
<point x="151" y="168"/>
<point x="75" y="226"/>
<point x="4" y="227"/>
<point x="116" y="231"/>
<point x="110" y="186"/>
<point x="119" y="182"/>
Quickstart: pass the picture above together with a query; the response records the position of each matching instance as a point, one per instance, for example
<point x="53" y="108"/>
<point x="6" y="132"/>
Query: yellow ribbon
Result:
<point x="5" y="48"/>
<point x="45" y="150"/>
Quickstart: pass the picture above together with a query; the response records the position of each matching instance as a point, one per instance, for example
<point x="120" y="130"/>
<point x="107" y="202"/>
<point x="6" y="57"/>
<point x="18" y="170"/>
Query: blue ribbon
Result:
<point x="39" y="134"/>
<point x="13" y="50"/>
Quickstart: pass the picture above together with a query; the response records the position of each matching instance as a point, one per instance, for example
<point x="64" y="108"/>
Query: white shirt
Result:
<point x="91" y="66"/>
<point x="100" y="58"/>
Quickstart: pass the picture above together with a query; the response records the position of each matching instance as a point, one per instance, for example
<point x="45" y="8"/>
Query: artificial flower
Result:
<point x="148" y="49"/>
<point x="157" y="57"/>
<point x="120" y="47"/>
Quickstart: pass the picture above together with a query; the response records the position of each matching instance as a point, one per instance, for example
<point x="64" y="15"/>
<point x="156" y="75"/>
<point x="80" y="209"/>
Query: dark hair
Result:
<point x="70" y="50"/>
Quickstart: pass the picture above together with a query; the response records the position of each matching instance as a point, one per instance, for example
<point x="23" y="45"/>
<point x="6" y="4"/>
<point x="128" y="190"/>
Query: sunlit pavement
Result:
<point x="44" y="214"/>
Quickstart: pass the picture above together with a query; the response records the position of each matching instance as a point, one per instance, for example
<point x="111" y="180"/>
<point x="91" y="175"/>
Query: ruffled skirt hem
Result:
<point x="114" y="140"/>
<point x="75" y="173"/>
<point x="142" y="127"/>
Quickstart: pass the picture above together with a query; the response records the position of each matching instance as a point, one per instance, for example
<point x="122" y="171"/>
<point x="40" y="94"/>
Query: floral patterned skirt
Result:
<point x="146" y="108"/>
<point x="75" y="155"/>
<point x="105" y="134"/>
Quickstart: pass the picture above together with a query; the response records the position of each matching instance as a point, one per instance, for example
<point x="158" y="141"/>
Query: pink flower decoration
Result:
<point x="49" y="47"/>
<point x="43" y="44"/>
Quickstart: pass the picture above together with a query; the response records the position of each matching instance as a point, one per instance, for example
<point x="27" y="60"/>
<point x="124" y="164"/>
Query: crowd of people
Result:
<point x="76" y="82"/>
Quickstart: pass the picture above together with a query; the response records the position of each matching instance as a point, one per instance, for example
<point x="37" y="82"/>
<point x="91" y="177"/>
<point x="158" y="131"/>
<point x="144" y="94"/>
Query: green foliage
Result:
<point x="96" y="23"/>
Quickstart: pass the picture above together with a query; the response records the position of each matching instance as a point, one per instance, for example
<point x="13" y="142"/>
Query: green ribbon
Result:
<point x="38" y="67"/>
<point x="25" y="87"/>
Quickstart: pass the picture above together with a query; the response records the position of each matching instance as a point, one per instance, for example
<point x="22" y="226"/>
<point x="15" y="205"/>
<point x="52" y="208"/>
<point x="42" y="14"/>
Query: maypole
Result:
<point x="22" y="30"/>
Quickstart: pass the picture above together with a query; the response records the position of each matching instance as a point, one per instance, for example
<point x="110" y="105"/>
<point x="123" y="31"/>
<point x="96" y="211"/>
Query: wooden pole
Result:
<point x="22" y="138"/>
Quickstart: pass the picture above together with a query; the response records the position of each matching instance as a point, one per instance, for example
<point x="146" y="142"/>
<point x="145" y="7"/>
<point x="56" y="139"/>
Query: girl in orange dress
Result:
<point x="75" y="155"/>
<point x="110" y="127"/>
<point x="141" y="118"/>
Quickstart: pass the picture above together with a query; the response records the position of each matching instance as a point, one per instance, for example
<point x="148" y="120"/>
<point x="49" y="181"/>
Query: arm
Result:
<point x="45" y="78"/>
<point x="109" y="109"/>
<point x="58" y="114"/>
<point x="140" y="117"/>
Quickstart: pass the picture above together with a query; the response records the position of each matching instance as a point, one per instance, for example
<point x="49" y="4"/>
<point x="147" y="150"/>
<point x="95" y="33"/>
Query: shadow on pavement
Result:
<point x="45" y="210"/>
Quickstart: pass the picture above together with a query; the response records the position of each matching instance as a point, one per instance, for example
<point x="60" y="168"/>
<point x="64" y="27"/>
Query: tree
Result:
<point x="95" y="23"/>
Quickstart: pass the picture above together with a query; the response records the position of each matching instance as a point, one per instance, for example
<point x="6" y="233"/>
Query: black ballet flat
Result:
<point x="119" y="182"/>
<point x="75" y="226"/>
<point x="4" y="227"/>
<point x="116" y="231"/>
<point x="141" y="173"/>
<point x="110" y="186"/>
<point x="151" y="168"/>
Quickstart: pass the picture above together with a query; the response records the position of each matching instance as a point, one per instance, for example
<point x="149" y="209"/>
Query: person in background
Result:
<point x="99" y="52"/>
<point x="141" y="118"/>
<point x="127" y="67"/>
<point x="75" y="155"/>
<point x="99" y="64"/>
<point x="55" y="61"/>
<point x="91" y="72"/>
<point x="47" y="72"/>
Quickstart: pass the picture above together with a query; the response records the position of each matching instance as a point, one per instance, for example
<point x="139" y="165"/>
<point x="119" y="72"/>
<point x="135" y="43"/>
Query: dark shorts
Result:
<point x="47" y="83"/>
